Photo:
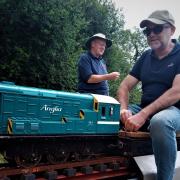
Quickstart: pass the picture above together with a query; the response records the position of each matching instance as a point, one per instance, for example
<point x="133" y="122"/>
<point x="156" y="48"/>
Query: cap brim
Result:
<point x="152" y="20"/>
<point x="108" y="42"/>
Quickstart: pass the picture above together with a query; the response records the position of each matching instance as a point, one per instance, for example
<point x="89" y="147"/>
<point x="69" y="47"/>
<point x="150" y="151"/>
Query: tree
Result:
<point x="41" y="40"/>
<point x="38" y="41"/>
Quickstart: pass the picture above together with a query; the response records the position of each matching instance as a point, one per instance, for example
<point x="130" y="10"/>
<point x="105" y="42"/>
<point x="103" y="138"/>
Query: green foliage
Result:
<point x="117" y="61"/>
<point x="102" y="16"/>
<point x="41" y="40"/>
<point x="123" y="56"/>
<point x="133" y="44"/>
<point x="179" y="38"/>
<point x="38" y="42"/>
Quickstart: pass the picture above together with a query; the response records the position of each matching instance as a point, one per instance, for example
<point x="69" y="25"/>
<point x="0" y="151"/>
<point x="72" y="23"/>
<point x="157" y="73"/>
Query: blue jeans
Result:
<point x="163" y="127"/>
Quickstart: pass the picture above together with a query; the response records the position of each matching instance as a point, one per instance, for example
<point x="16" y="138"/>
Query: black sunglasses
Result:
<point x="156" y="30"/>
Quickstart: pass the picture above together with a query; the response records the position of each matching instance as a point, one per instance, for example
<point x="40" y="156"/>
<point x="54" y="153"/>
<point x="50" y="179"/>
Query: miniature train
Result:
<point x="54" y="124"/>
<point x="38" y="124"/>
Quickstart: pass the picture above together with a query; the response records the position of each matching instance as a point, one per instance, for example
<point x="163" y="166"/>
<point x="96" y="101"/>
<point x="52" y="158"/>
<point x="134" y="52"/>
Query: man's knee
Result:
<point x="157" y="121"/>
<point x="167" y="118"/>
<point x="160" y="125"/>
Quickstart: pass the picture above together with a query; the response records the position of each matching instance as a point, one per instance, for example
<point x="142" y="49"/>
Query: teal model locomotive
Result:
<point x="36" y="111"/>
<point x="58" y="125"/>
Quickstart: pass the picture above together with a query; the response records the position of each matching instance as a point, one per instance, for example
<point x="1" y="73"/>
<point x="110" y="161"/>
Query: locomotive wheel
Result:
<point x="59" y="155"/>
<point x="76" y="157"/>
<point x="87" y="153"/>
<point x="29" y="159"/>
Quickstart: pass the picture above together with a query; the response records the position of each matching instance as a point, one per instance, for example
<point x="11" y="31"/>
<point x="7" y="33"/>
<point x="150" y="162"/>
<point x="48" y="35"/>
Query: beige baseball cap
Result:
<point x="159" y="17"/>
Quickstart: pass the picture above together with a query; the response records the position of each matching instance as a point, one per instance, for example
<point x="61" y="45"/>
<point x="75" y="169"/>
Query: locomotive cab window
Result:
<point x="111" y="110"/>
<point x="103" y="111"/>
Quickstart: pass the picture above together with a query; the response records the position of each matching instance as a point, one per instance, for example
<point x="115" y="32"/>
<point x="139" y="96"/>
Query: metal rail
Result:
<point x="100" y="168"/>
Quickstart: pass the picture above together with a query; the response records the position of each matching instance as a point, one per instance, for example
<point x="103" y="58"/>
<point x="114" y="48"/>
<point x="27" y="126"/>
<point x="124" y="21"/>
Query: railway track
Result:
<point x="100" y="168"/>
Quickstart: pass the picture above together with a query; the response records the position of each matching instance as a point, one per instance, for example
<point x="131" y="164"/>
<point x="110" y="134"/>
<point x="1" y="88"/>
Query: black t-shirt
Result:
<point x="87" y="66"/>
<point x="156" y="75"/>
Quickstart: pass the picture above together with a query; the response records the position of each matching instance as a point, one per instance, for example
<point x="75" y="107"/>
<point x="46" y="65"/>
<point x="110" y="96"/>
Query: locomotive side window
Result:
<point x="103" y="112"/>
<point x="111" y="110"/>
<point x="96" y="106"/>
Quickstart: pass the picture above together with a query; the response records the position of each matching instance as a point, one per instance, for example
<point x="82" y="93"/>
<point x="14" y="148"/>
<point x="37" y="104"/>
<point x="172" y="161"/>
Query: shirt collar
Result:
<point x="99" y="58"/>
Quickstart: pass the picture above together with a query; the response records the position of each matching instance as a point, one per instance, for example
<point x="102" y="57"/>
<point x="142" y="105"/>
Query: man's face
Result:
<point x="98" y="46"/>
<point x="158" y="36"/>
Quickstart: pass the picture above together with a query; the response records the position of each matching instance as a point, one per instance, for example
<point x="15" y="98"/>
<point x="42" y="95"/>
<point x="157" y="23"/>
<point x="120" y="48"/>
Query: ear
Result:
<point x="92" y="44"/>
<point x="172" y="30"/>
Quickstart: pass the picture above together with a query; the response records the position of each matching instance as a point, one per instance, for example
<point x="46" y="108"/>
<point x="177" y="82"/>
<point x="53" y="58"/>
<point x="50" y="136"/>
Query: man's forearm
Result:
<point x="97" y="78"/>
<point x="123" y="97"/>
<point x="123" y="92"/>
<point x="169" y="98"/>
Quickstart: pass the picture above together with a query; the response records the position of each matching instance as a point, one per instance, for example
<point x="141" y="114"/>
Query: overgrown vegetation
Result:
<point x="41" y="40"/>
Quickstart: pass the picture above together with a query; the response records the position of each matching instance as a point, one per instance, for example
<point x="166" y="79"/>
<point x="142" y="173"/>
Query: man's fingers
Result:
<point x="131" y="126"/>
<point x="129" y="113"/>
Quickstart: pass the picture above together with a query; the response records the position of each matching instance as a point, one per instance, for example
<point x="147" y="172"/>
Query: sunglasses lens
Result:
<point x="155" y="30"/>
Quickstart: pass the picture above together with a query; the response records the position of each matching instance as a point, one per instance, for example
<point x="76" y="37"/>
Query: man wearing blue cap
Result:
<point x="158" y="69"/>
<point x="92" y="72"/>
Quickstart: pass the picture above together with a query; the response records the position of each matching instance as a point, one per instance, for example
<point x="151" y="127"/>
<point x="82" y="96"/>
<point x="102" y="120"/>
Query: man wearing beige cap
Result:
<point x="92" y="72"/>
<point x="158" y="69"/>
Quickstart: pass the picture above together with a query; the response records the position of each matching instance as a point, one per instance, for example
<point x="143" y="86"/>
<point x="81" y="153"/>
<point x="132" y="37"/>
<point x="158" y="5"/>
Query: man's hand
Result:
<point x="96" y="78"/>
<point x="125" y="114"/>
<point x="113" y="75"/>
<point x="136" y="121"/>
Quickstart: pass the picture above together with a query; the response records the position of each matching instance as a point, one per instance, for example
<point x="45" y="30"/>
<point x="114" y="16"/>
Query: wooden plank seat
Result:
<point x="138" y="134"/>
<point x="138" y="143"/>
